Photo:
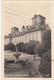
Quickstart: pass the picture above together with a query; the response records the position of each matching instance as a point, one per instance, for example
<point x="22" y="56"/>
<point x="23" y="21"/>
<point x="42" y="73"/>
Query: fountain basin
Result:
<point x="16" y="57"/>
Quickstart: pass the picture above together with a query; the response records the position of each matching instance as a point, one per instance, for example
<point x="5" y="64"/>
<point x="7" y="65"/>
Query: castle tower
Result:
<point x="38" y="20"/>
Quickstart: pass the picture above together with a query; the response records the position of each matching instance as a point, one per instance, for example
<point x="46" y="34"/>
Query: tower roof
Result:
<point x="37" y="16"/>
<point x="41" y="16"/>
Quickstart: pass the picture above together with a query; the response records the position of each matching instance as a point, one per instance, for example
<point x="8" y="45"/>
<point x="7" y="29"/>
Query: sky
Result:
<point x="19" y="13"/>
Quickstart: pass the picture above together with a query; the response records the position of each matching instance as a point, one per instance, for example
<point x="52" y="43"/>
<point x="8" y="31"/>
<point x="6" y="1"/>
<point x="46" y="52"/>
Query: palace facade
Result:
<point x="27" y="33"/>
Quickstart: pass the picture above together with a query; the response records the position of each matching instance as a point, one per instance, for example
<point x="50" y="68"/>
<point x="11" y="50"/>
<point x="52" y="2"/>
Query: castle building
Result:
<point x="32" y="32"/>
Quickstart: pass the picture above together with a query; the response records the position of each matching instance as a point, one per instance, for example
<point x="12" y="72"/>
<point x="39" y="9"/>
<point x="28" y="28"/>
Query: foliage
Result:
<point x="5" y="47"/>
<point x="11" y="46"/>
<point x="26" y="46"/>
<point x="45" y="64"/>
<point x="29" y="47"/>
<point x="20" y="46"/>
<point x="47" y="40"/>
<point x="39" y="49"/>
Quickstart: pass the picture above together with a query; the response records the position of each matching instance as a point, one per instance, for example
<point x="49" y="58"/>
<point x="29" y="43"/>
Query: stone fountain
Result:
<point x="16" y="55"/>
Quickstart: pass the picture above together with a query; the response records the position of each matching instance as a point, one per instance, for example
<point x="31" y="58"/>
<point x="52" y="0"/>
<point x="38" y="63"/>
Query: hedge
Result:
<point x="45" y="64"/>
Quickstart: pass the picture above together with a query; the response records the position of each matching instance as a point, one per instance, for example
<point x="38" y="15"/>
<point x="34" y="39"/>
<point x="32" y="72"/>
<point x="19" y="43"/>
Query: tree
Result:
<point x="47" y="40"/>
<point x="20" y="46"/>
<point x="29" y="48"/>
<point x="5" y="47"/>
<point x="39" y="49"/>
<point x="11" y="46"/>
<point x="26" y="47"/>
<point x="45" y="64"/>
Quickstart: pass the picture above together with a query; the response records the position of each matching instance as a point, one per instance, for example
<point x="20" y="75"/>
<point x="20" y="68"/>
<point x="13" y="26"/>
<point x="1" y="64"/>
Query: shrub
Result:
<point x="11" y="46"/>
<point x="39" y="49"/>
<point x="20" y="46"/>
<point x="29" y="47"/>
<point x="45" y="64"/>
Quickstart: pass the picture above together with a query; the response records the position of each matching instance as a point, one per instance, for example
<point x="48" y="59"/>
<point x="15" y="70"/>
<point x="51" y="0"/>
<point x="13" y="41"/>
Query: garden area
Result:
<point x="32" y="59"/>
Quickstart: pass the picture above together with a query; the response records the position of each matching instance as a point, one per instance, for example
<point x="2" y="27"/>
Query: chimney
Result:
<point x="23" y="28"/>
<point x="35" y="15"/>
<point x="27" y="27"/>
<point x="14" y="30"/>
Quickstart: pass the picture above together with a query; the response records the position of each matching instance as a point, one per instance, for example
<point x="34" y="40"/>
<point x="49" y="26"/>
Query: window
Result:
<point x="32" y="34"/>
<point x="25" y="39"/>
<point x="36" y="33"/>
<point x="33" y="38"/>
<point x="36" y="37"/>
<point x="42" y="22"/>
<point x="35" y="22"/>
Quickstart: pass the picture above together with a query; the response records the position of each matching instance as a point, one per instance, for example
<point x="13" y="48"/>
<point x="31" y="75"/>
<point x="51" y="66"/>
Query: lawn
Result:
<point x="18" y="70"/>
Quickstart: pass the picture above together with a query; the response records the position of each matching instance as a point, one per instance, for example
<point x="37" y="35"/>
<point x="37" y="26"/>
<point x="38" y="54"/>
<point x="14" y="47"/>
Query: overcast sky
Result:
<point x="18" y="13"/>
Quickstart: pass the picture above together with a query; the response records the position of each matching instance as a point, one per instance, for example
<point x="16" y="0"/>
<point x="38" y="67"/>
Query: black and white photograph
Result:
<point x="27" y="39"/>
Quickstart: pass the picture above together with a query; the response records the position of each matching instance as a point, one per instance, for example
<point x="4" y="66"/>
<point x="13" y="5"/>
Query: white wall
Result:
<point x="6" y="41"/>
<point x="37" y="35"/>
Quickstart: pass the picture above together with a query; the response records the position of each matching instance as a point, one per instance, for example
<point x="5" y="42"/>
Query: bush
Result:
<point x="21" y="47"/>
<point x="11" y="46"/>
<point x="45" y="64"/>
<point x="29" y="47"/>
<point x="39" y="49"/>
